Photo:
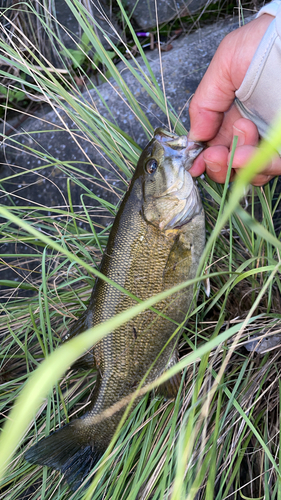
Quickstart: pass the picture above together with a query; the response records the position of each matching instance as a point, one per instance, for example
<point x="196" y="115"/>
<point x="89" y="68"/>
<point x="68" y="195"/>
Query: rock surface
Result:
<point x="183" y="67"/>
<point x="70" y="30"/>
<point x="144" y="13"/>
<point x="41" y="152"/>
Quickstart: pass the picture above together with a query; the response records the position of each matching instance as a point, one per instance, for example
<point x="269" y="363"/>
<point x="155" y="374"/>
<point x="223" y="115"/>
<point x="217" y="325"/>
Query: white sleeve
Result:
<point x="270" y="8"/>
<point x="259" y="96"/>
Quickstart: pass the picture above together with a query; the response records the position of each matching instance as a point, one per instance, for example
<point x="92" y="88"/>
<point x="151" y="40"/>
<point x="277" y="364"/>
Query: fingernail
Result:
<point x="214" y="167"/>
<point x="240" y="134"/>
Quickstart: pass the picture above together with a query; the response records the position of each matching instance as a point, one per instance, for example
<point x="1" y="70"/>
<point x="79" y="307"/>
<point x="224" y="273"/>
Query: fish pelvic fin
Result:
<point x="63" y="450"/>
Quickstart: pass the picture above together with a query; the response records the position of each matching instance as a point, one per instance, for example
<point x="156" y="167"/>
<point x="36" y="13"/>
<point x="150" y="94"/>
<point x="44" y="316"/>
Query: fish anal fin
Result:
<point x="87" y="360"/>
<point x="80" y="325"/>
<point x="170" y="388"/>
<point x="65" y="450"/>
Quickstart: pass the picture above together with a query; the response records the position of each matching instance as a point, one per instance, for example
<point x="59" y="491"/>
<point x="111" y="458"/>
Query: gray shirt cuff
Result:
<point x="259" y="96"/>
<point x="270" y="8"/>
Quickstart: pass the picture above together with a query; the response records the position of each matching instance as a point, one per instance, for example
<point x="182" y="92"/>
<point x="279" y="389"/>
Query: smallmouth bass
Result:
<point x="156" y="242"/>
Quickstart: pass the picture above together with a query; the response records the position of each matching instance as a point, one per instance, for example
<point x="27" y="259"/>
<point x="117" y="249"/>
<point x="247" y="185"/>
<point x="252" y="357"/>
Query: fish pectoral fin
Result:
<point x="64" y="450"/>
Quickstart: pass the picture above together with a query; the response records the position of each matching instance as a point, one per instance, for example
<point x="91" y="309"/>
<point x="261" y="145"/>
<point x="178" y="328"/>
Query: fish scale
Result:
<point x="155" y="242"/>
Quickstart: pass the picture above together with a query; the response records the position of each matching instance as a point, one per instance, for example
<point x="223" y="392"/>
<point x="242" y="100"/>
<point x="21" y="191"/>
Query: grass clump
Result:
<point x="220" y="437"/>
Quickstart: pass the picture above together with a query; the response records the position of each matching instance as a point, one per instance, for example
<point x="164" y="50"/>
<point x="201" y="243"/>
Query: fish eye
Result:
<point x="151" y="166"/>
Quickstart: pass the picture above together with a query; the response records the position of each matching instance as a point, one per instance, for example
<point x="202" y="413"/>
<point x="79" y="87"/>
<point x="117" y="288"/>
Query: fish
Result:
<point x="156" y="242"/>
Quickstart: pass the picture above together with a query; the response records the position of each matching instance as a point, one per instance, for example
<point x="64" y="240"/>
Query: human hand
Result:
<point x="213" y="116"/>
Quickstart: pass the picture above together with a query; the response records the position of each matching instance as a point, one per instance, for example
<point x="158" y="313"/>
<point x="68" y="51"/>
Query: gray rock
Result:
<point x="263" y="342"/>
<point x="144" y="12"/>
<point x="183" y="67"/>
<point x="31" y="177"/>
<point x="69" y="27"/>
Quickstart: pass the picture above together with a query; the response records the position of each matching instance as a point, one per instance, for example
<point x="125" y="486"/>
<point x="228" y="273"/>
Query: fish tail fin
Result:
<point x="64" y="451"/>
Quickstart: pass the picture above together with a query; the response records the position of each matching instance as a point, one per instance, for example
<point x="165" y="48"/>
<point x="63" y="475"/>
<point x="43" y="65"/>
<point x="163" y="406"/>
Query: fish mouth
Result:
<point x="175" y="200"/>
<point x="180" y="146"/>
<point x="162" y="134"/>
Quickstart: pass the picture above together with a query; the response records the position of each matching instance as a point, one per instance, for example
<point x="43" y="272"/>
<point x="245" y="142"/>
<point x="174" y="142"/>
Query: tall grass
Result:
<point x="220" y="437"/>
